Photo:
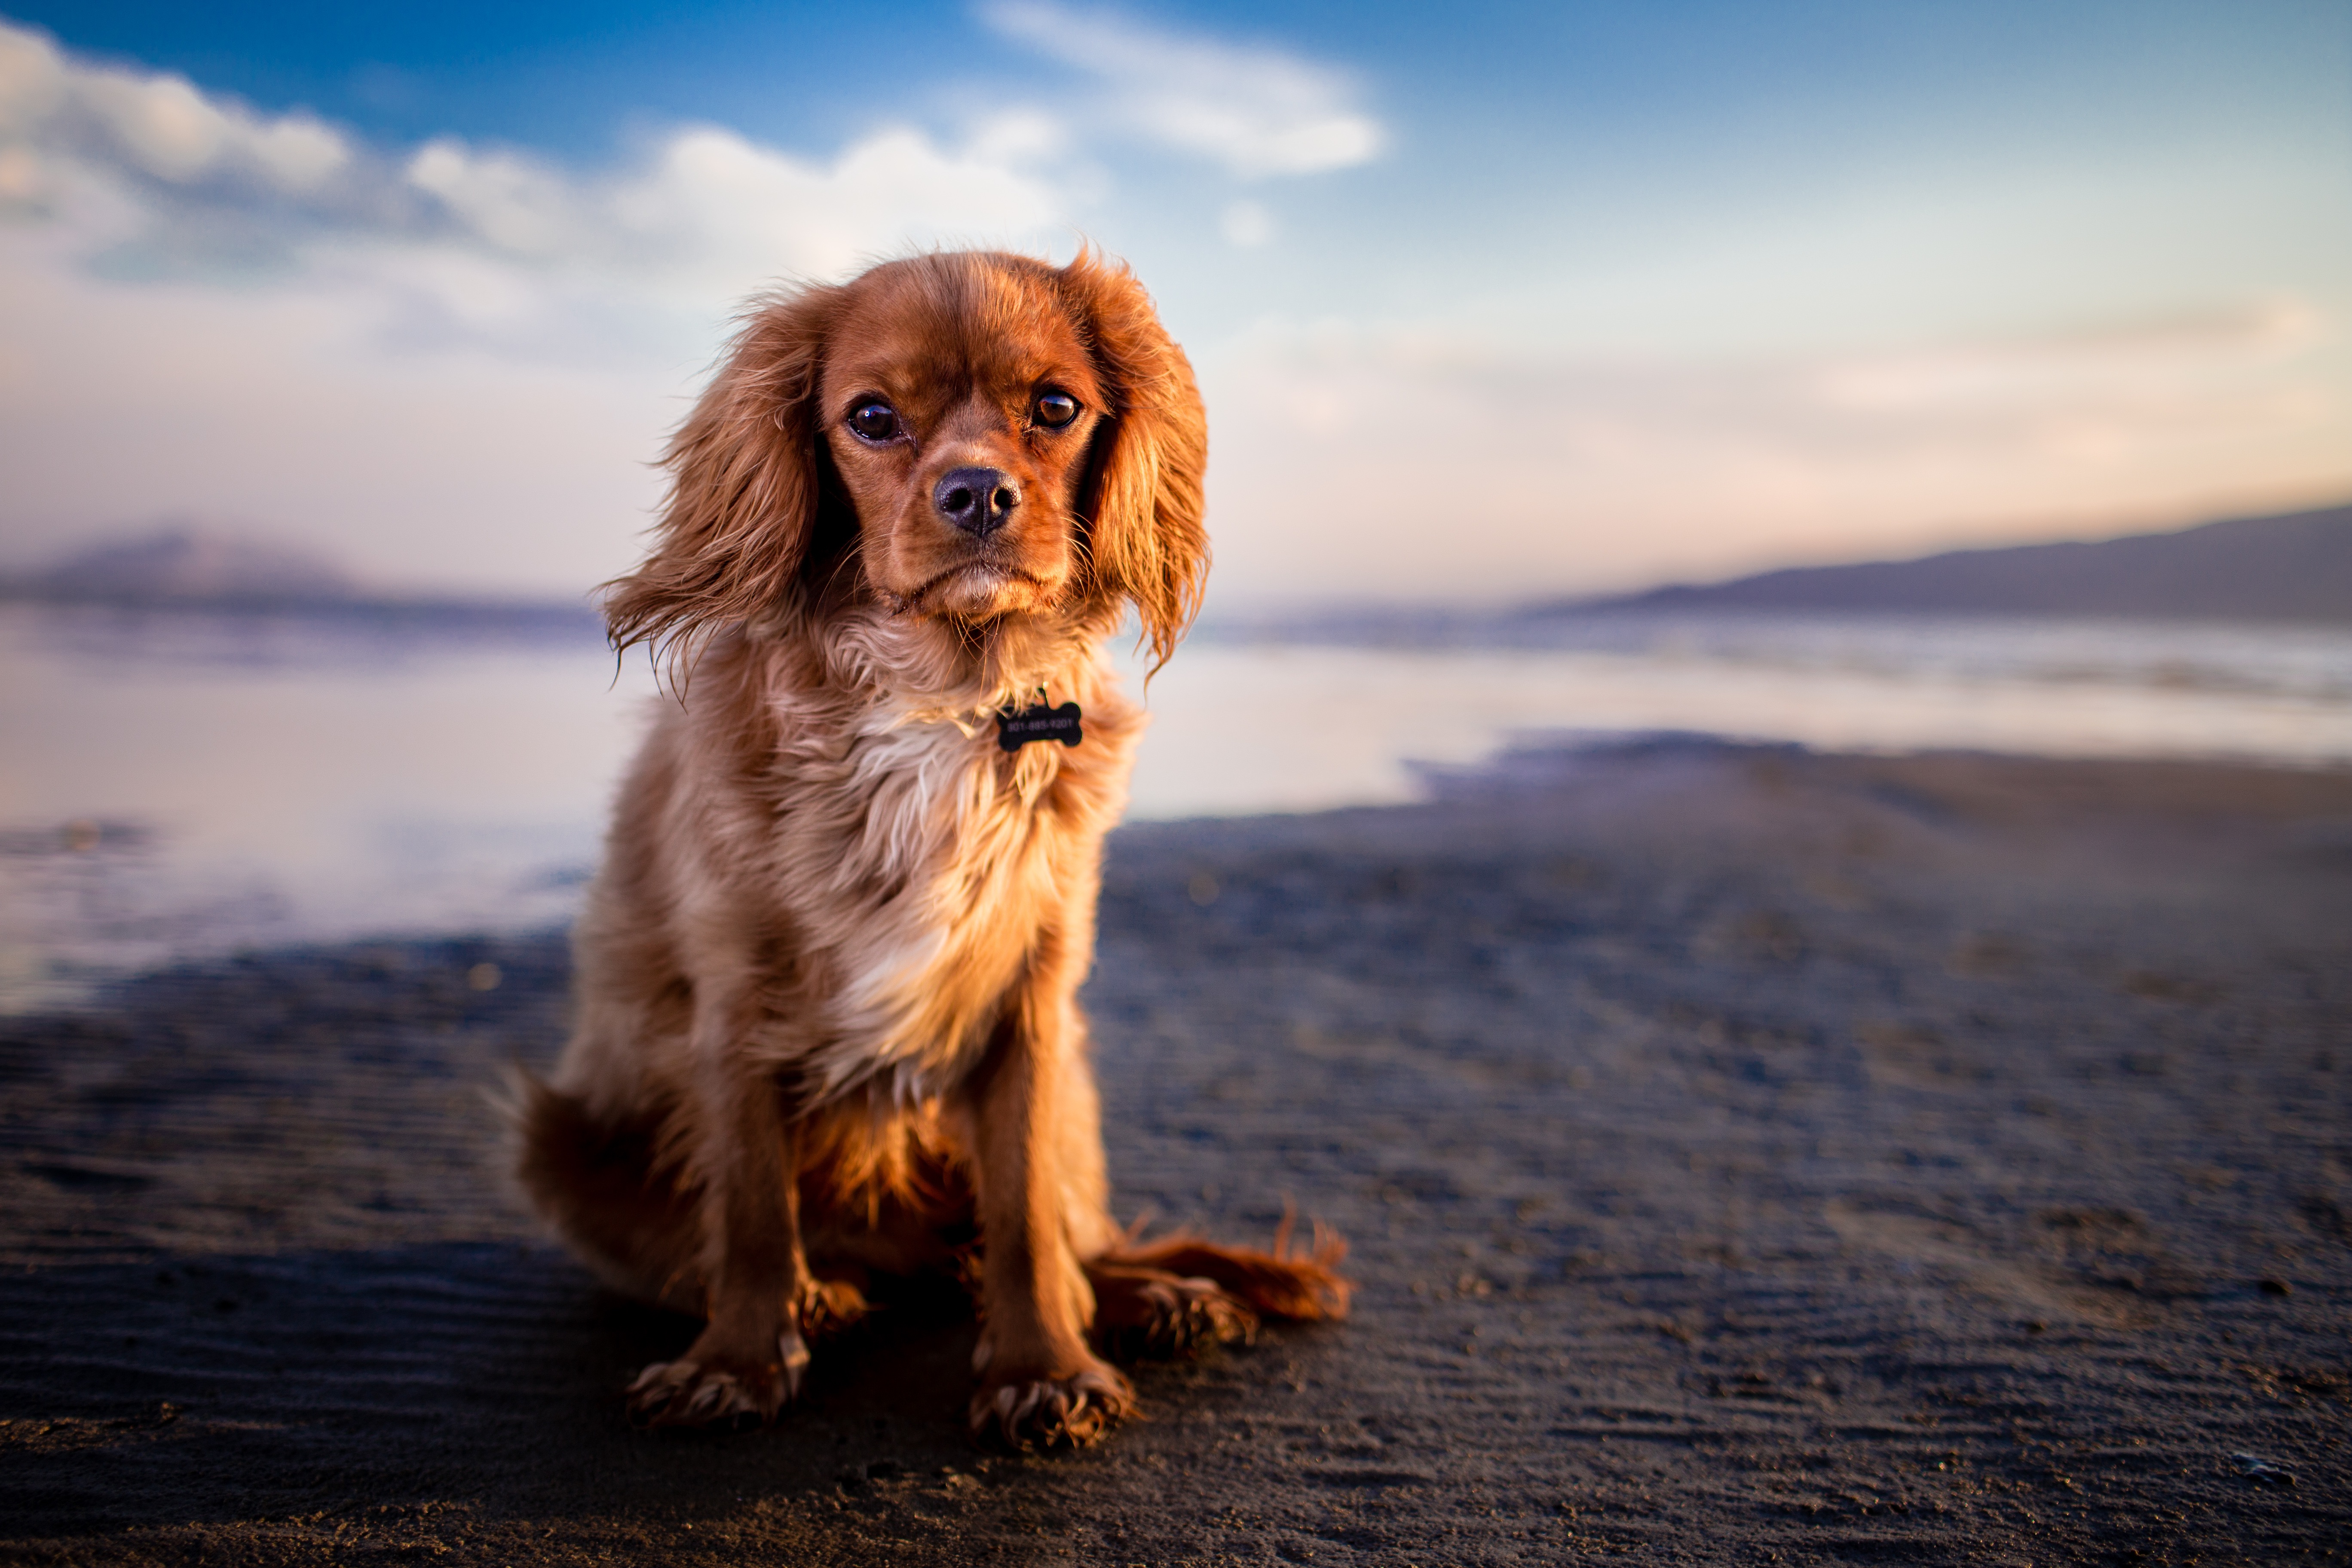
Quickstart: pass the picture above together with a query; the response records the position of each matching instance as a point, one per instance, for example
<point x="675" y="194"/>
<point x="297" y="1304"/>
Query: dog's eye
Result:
<point x="875" y="421"/>
<point x="1055" y="409"/>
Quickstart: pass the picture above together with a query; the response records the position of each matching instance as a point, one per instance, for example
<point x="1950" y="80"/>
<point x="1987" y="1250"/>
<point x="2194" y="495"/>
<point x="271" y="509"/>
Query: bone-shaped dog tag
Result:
<point x="1038" y="722"/>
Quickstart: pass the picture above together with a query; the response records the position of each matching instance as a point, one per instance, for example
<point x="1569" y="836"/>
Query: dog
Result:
<point x="827" y="1024"/>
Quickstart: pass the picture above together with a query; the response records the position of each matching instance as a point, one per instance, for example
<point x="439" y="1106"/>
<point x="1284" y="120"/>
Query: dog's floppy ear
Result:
<point x="1142" y="504"/>
<point x="745" y="486"/>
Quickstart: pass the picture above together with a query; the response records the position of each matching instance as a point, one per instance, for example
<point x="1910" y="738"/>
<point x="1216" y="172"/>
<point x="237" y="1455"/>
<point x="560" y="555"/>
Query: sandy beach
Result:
<point x="1749" y="1156"/>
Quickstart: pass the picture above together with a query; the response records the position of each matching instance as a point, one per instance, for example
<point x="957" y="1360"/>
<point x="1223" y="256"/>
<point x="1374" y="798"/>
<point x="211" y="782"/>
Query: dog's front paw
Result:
<point x="708" y="1386"/>
<point x="1072" y="1411"/>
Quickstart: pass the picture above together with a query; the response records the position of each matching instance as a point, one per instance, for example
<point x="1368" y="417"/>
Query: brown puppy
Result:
<point x="826" y="1017"/>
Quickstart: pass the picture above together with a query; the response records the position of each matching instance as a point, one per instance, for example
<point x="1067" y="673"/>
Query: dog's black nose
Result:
<point x="978" y="500"/>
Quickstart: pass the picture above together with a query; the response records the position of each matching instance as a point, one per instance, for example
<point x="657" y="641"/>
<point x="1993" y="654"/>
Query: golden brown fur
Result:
<point x="826" y="1016"/>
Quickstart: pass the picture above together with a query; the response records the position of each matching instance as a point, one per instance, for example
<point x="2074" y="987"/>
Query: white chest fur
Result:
<point x="949" y="868"/>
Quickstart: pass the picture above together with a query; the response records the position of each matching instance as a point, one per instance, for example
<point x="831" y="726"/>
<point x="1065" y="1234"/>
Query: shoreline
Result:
<point x="1744" y="1150"/>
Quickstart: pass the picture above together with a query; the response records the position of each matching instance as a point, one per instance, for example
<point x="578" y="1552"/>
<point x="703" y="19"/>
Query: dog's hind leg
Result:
<point x="1156" y="1314"/>
<point x="599" y="1185"/>
<point x="1175" y="1296"/>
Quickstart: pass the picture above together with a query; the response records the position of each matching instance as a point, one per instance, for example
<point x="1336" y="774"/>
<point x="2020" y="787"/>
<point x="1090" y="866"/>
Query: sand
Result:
<point x="1749" y="1156"/>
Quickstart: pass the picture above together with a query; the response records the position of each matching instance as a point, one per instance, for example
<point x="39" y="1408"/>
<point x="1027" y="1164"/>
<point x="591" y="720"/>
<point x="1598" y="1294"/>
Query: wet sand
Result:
<point x="1749" y="1156"/>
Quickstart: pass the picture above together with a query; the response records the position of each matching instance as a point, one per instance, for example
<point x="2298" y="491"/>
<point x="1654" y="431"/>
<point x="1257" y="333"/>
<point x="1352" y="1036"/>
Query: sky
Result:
<point x="1489" y="303"/>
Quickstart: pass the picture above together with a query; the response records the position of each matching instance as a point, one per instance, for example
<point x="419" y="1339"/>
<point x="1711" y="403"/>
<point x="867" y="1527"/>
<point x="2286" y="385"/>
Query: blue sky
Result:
<point x="1593" y="297"/>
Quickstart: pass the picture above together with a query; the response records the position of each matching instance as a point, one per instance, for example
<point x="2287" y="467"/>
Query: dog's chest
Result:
<point x="944" y="861"/>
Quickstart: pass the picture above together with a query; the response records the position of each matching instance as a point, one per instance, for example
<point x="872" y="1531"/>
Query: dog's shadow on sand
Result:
<point x="184" y="1389"/>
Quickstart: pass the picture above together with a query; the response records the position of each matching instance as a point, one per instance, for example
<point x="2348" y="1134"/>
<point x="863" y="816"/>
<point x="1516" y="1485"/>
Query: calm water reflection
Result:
<point x="177" y="784"/>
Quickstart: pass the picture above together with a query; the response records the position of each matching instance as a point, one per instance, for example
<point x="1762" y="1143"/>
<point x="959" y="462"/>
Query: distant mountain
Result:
<point x="193" y="567"/>
<point x="2296" y="567"/>
<point x="190" y="564"/>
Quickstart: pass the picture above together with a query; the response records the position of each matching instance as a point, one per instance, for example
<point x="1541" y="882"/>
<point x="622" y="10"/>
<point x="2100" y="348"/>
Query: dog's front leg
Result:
<point x="1040" y="1385"/>
<point x="748" y="1362"/>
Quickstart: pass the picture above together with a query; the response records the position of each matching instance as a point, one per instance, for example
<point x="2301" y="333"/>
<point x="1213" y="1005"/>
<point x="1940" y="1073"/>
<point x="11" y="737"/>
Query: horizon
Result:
<point x="275" y="554"/>
<point x="1677" y="298"/>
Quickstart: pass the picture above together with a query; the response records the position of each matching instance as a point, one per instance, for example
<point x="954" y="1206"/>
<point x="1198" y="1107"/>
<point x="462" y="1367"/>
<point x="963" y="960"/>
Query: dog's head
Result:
<point x="970" y="436"/>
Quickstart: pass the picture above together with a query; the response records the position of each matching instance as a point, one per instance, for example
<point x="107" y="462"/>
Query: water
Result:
<point x="183" y="783"/>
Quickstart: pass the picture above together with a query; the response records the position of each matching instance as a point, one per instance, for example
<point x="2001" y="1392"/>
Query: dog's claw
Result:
<point x="1051" y="1413"/>
<point x="741" y="1397"/>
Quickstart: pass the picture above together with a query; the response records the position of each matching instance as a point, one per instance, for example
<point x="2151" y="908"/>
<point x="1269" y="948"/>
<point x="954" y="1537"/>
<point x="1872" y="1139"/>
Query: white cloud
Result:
<point x="710" y="211"/>
<point x="725" y="205"/>
<point x="701" y="211"/>
<point x="1255" y="110"/>
<point x="160" y="124"/>
<point x="513" y="204"/>
<point x="32" y="80"/>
